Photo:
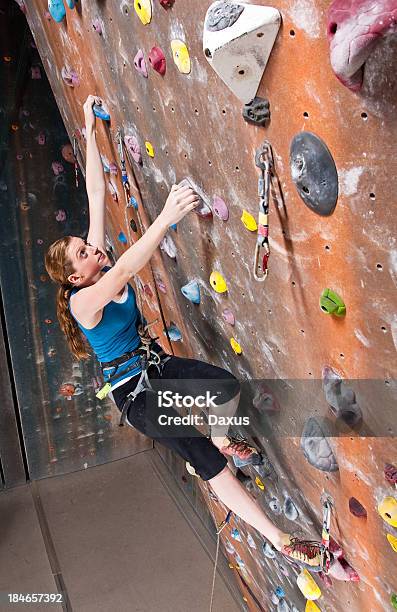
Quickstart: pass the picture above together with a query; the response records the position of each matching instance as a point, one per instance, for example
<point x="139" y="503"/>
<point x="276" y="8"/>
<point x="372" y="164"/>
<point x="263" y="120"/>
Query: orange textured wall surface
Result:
<point x="195" y="125"/>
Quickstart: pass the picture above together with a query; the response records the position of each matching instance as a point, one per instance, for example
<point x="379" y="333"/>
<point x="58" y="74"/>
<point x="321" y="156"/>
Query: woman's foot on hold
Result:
<point x="305" y="553"/>
<point x="237" y="447"/>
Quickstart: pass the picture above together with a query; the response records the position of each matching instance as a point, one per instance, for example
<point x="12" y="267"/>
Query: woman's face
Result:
<point x="87" y="261"/>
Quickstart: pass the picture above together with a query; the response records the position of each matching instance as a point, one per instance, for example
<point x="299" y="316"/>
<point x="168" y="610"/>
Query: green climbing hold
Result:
<point x="393" y="600"/>
<point x="332" y="303"/>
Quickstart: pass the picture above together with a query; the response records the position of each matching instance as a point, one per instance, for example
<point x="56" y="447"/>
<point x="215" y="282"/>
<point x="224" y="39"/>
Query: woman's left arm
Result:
<point x="95" y="182"/>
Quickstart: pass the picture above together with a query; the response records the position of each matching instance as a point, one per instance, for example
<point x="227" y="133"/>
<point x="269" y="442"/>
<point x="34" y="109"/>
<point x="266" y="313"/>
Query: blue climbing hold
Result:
<point x="100" y="112"/>
<point x="122" y="238"/>
<point x="70" y="3"/>
<point x="173" y="333"/>
<point x="132" y="203"/>
<point x="173" y="226"/>
<point x="280" y="592"/>
<point x="191" y="291"/>
<point x="56" y="9"/>
<point x="236" y="534"/>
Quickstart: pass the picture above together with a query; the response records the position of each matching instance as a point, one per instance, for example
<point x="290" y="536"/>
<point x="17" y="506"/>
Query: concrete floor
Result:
<point x="113" y="538"/>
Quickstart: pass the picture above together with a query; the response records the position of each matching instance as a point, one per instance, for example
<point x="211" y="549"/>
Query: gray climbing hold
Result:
<point x="290" y="510"/>
<point x="265" y="468"/>
<point x="316" y="447"/>
<point x="341" y="398"/>
<point x="268" y="550"/>
<point x="282" y="606"/>
<point x="274" y="505"/>
<point x="222" y="15"/>
<point x="314" y="173"/>
<point x="257" y="111"/>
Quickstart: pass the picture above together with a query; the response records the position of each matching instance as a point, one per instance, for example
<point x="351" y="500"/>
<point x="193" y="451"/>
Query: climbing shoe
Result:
<point x="307" y="554"/>
<point x="239" y="447"/>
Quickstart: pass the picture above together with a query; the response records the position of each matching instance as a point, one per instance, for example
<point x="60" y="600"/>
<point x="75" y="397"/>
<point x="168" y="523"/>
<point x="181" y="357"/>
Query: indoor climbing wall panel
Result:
<point x="320" y="327"/>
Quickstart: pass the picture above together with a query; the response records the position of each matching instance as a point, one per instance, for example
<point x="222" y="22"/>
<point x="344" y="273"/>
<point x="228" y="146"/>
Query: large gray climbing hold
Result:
<point x="222" y="16"/>
<point x="290" y="510"/>
<point x="341" y="398"/>
<point x="316" y="447"/>
<point x="314" y="173"/>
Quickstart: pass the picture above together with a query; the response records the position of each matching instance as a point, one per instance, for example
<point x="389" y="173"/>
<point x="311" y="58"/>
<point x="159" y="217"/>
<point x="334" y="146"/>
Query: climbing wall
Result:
<point x="319" y="382"/>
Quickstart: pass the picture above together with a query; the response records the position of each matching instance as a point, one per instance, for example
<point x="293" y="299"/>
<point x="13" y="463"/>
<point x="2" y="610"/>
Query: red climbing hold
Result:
<point x="167" y="3"/>
<point x="67" y="389"/>
<point x="356" y="508"/>
<point x="157" y="60"/>
<point x="390" y="473"/>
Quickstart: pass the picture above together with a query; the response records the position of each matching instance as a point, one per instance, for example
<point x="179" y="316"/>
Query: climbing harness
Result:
<point x="76" y="166"/>
<point x="264" y="160"/>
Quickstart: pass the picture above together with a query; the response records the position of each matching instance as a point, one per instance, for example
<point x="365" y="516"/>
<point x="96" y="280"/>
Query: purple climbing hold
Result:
<point x="341" y="398"/>
<point x="133" y="147"/>
<point x="140" y="63"/>
<point x="390" y="472"/>
<point x="316" y="447"/>
<point x="70" y="77"/>
<point x="168" y="246"/>
<point x="228" y="316"/>
<point x="356" y="508"/>
<point x="35" y="72"/>
<point x="220" y="208"/>
<point x="60" y="215"/>
<point x="191" y="291"/>
<point x="97" y="25"/>
<point x="57" y="168"/>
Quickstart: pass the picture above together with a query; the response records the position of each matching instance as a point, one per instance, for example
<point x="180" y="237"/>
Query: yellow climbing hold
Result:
<point x="191" y="470"/>
<point x="308" y="586"/>
<point x="181" y="56"/>
<point x="259" y="483"/>
<point x="218" y="282"/>
<point x="231" y="565"/>
<point x="249" y="221"/>
<point x="311" y="607"/>
<point x="388" y="510"/>
<point x="235" y="346"/>
<point x="149" y="148"/>
<point x="143" y="9"/>
<point x="392" y="541"/>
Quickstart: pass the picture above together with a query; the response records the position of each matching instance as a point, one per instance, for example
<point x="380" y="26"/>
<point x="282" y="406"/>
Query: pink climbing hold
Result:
<point x="264" y="399"/>
<point x="356" y="508"/>
<point x="134" y="148"/>
<point x="35" y="72"/>
<point x="140" y="63"/>
<point x="97" y="25"/>
<point x="157" y="60"/>
<point x="228" y="316"/>
<point x="161" y="285"/>
<point x="41" y="138"/>
<point x="147" y="290"/>
<point x="69" y="77"/>
<point x="220" y="208"/>
<point x="57" y="168"/>
<point x="355" y="27"/>
<point x="390" y="472"/>
<point x="60" y="215"/>
<point x="166" y="3"/>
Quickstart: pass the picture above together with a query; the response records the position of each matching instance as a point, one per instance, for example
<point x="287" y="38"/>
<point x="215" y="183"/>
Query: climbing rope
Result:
<point x="220" y="527"/>
<point x="76" y="166"/>
<point x="265" y="162"/>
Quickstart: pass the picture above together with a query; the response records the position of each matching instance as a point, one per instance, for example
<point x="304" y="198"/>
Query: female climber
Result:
<point x="96" y="301"/>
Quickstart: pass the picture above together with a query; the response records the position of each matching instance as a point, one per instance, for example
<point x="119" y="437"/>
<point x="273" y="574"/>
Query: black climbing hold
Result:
<point x="314" y="173"/>
<point x="133" y="225"/>
<point x="223" y="16"/>
<point x="257" y="111"/>
<point x="356" y="508"/>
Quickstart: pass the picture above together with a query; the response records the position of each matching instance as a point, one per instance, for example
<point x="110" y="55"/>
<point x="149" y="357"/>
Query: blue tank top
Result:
<point x="115" y="334"/>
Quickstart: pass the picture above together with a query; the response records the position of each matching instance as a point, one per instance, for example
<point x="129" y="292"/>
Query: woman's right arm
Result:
<point x="89" y="300"/>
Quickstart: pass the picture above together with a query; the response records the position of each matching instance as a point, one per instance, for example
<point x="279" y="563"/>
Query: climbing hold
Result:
<point x="60" y="215"/>
<point x="67" y="153"/>
<point x="122" y="238"/>
<point x="191" y="291"/>
<point x="160" y="284"/>
<point x="237" y="42"/>
<point x="264" y="399"/>
<point x="356" y="508"/>
<point x="143" y="9"/>
<point x="35" y="73"/>
<point x="290" y="510"/>
<point x="392" y="541"/>
<point x="388" y="510"/>
<point x="311" y="607"/>
<point x="314" y="173"/>
<point x="56" y="9"/>
<point x="279" y="592"/>
<point x="67" y="390"/>
<point x="249" y="221"/>
<point x="149" y="148"/>
<point x="167" y="3"/>
<point x="316" y="447"/>
<point x="203" y="209"/>
<point x="235" y="346"/>
<point x="69" y="77"/>
<point x="113" y="191"/>
<point x="168" y="246"/>
<point x="308" y="586"/>
<point x="157" y="60"/>
<point x="268" y="550"/>
<point x="236" y="534"/>
<point x="133" y="225"/>
<point x="228" y="316"/>
<point x="390" y="472"/>
<point x="57" y="168"/>
<point x="97" y="25"/>
<point x="70" y="3"/>
<point x="274" y="505"/>
<point x="220" y="208"/>
<point x="259" y="483"/>
<point x="254" y="459"/>
<point x="393" y="601"/>
<point x="132" y="203"/>
<point x="181" y="56"/>
<point x="140" y="63"/>
<point x="341" y="398"/>
<point x="257" y="111"/>
<point x="332" y="303"/>
<point x="133" y="147"/>
<point x="251" y="541"/>
<point x="101" y="112"/>
<point x="229" y="547"/>
<point x="264" y="468"/>
<point x="191" y="469"/>
<point x="173" y="333"/>
<point x="218" y="282"/>
<point x="173" y="226"/>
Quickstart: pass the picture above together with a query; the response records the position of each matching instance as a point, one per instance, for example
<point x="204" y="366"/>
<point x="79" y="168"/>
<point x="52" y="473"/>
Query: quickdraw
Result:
<point x="325" y="535"/>
<point x="265" y="162"/>
<point x="124" y="175"/>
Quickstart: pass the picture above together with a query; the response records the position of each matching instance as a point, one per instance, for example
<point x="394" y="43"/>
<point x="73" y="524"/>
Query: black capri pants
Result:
<point x="187" y="377"/>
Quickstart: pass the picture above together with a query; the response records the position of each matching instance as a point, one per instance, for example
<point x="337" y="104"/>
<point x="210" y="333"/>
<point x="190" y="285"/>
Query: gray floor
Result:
<point x="113" y="537"/>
